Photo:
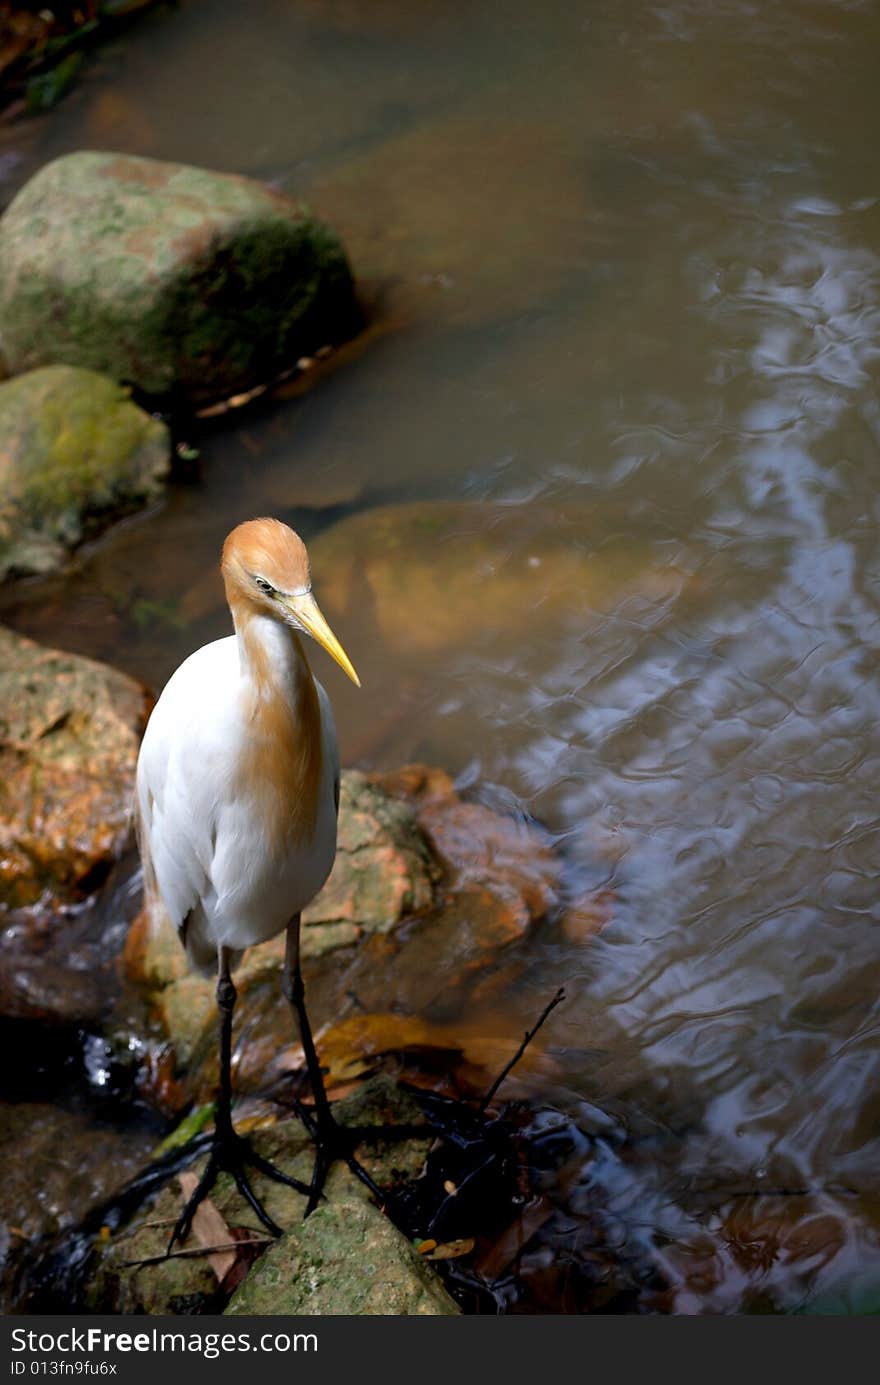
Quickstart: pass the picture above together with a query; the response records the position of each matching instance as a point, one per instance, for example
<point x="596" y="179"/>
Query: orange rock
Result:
<point x="69" y="735"/>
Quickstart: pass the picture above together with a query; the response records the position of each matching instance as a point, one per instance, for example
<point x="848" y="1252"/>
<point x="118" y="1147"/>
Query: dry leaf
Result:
<point x="451" y="1250"/>
<point x="209" y="1228"/>
<point x="494" y="1261"/>
<point x="350" y="1049"/>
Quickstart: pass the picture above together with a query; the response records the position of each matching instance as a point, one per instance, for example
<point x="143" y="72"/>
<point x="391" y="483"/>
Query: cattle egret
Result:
<point x="237" y="800"/>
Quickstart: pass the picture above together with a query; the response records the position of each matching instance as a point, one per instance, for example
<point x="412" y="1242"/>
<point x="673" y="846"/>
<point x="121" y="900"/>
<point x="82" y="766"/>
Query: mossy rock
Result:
<point x="189" y="284"/>
<point x="347" y="1257"/>
<point x="75" y="453"/>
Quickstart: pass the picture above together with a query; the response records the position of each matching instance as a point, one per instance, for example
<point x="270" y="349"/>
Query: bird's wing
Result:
<point x="176" y="790"/>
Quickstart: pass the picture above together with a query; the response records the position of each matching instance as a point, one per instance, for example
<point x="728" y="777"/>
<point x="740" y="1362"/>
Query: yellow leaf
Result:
<point x="451" y="1250"/>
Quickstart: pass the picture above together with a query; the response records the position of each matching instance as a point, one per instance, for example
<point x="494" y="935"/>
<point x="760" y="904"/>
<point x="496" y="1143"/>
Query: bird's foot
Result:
<point x="333" y="1142"/>
<point x="231" y="1153"/>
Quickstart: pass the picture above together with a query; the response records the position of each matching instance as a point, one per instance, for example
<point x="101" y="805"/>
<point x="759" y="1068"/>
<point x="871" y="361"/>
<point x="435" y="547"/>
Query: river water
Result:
<point x="624" y="265"/>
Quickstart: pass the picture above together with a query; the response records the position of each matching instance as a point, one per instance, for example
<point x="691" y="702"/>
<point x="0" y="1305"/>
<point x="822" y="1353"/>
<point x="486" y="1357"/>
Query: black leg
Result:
<point x="229" y="1152"/>
<point x="226" y="998"/>
<point x="332" y="1142"/>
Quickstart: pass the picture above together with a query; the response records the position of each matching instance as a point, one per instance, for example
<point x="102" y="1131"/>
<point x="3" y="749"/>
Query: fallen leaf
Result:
<point x="451" y="1250"/>
<point x="350" y="1049"/>
<point x="209" y="1228"/>
<point x="494" y="1261"/>
<point x="341" y="1090"/>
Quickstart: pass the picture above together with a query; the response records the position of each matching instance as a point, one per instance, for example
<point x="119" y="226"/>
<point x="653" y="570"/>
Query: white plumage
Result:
<point x="237" y="796"/>
<point x="222" y="876"/>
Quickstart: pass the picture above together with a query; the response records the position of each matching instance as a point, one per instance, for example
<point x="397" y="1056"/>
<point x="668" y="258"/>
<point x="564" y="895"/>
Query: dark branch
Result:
<point x="527" y="1039"/>
<point x="195" y="1251"/>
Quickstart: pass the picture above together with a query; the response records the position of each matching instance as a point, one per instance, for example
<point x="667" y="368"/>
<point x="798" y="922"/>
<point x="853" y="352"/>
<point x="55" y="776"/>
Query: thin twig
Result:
<point x="435" y="1220"/>
<point x="197" y="1250"/>
<point x="129" y="1232"/>
<point x="527" y="1039"/>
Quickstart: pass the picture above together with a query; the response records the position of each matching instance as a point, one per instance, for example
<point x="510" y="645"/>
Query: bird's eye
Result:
<point x="264" y="585"/>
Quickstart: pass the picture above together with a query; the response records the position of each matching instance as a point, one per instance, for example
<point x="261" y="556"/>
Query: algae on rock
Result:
<point x="186" y="283"/>
<point x="75" y="453"/>
<point x="346" y="1258"/>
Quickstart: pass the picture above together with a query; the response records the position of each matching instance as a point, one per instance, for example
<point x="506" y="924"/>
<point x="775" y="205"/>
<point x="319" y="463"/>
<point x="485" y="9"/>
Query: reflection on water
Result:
<point x="629" y="257"/>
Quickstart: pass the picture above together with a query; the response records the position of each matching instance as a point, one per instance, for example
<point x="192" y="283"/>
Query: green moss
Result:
<point x="178" y="280"/>
<point x="74" y="451"/>
<point x="46" y="89"/>
<point x="346" y="1258"/>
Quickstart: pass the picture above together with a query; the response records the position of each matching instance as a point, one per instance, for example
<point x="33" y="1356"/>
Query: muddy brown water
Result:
<point x="627" y="260"/>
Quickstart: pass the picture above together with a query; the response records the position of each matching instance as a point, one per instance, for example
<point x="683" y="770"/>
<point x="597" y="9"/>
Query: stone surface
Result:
<point x="70" y="730"/>
<point x="426" y="893"/>
<point x="347" y="1258"/>
<point x="351" y="1241"/>
<point x="504" y="571"/>
<point x="464" y="220"/>
<point x="75" y="453"/>
<point x="181" y="281"/>
<point x="55" y="1166"/>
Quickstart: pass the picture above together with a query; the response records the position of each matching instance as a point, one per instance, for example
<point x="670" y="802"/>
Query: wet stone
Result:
<point x="178" y="280"/>
<point x="347" y="1258"/>
<point x="69" y="735"/>
<point x="55" y="1166"/>
<point x="352" y="1239"/>
<point x="75" y="454"/>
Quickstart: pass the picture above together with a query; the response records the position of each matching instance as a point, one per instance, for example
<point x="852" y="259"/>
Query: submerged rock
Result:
<point x="75" y="453"/>
<point x="427" y="890"/>
<point x="506" y="572"/>
<point x="70" y="730"/>
<point x="465" y="219"/>
<point x="183" y="282"/>
<point x="55" y="1166"/>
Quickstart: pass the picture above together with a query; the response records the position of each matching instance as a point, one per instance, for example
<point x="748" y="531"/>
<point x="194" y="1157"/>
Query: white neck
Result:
<point x="272" y="657"/>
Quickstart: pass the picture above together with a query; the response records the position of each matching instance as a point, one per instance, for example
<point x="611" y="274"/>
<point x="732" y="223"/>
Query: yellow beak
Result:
<point x="306" y="610"/>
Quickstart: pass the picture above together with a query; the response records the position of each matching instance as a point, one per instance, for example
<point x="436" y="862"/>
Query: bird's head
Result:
<point x="265" y="568"/>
